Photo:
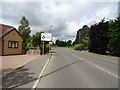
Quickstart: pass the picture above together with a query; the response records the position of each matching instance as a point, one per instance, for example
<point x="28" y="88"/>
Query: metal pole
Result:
<point x="43" y="47"/>
<point x="49" y="47"/>
<point x="51" y="39"/>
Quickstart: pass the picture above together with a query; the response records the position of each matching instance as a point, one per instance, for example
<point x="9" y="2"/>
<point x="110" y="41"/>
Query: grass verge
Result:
<point x="103" y="55"/>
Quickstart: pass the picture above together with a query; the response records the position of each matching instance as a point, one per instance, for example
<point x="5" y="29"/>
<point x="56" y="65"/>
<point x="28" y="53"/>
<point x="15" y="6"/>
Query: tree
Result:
<point x="86" y="42"/>
<point x="57" y="42"/>
<point x="60" y="43"/>
<point x="36" y="41"/>
<point x="114" y="36"/>
<point x="81" y="34"/>
<point x="24" y="30"/>
<point x="99" y="37"/>
<point x="69" y="43"/>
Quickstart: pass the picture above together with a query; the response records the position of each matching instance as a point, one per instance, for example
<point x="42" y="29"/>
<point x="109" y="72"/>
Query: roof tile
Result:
<point x="4" y="29"/>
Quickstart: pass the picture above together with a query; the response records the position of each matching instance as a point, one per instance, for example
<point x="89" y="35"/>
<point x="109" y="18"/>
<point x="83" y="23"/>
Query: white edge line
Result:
<point x="101" y="57"/>
<point x="41" y="73"/>
<point x="96" y="66"/>
<point x="105" y="71"/>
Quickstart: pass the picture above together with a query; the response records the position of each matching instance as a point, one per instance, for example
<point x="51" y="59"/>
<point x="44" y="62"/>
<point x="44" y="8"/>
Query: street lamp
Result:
<point x="51" y="37"/>
<point x="50" y="28"/>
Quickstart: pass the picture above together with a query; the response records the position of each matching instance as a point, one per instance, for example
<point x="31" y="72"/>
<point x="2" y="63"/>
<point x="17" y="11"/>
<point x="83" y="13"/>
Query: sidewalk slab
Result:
<point x="26" y="75"/>
<point x="10" y="63"/>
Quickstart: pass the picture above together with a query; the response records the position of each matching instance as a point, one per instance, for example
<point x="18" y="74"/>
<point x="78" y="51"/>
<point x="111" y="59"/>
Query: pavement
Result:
<point x="25" y="76"/>
<point x="12" y="62"/>
<point x="66" y="69"/>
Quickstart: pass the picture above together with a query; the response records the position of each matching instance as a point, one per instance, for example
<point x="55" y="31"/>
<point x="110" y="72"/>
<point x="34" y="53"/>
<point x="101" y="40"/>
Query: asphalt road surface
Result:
<point x="66" y="69"/>
<point x="74" y="69"/>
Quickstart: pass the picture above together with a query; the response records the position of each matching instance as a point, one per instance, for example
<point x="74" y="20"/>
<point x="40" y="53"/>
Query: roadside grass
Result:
<point x="72" y="48"/>
<point x="103" y="55"/>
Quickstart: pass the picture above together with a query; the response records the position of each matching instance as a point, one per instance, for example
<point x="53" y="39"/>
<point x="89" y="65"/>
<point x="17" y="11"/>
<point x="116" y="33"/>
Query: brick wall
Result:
<point x="12" y="36"/>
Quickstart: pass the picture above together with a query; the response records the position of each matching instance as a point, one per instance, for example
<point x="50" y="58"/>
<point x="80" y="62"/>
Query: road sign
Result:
<point x="46" y="37"/>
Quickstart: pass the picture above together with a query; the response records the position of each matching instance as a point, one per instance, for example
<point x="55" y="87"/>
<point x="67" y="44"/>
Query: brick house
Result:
<point x="10" y="41"/>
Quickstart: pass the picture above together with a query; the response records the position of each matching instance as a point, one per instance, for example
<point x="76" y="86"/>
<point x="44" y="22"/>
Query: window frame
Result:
<point x="15" y="43"/>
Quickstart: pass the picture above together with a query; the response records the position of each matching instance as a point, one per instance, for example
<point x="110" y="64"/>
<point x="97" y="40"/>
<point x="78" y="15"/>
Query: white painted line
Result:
<point x="40" y="75"/>
<point x="105" y="70"/>
<point x="104" y="59"/>
<point x="96" y="66"/>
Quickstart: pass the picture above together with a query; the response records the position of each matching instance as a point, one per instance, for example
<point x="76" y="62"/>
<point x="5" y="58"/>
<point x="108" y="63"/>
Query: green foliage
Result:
<point x="69" y="43"/>
<point x="29" y="46"/>
<point x="99" y="37"/>
<point x="24" y="30"/>
<point x="114" y="35"/>
<point x="79" y="47"/>
<point x="86" y="42"/>
<point x="47" y="47"/>
<point x="36" y="40"/>
<point x="60" y="43"/>
<point x="71" y="47"/>
<point x="81" y="34"/>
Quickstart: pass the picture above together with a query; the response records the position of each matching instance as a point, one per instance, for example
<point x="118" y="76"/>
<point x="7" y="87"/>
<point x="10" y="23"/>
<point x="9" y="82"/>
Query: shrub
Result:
<point x="29" y="46"/>
<point x="47" y="48"/>
<point x="79" y="47"/>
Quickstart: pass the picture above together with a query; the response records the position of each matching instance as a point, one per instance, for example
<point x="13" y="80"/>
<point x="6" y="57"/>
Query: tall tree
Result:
<point x="37" y="41"/>
<point x="57" y="42"/>
<point x="114" y="35"/>
<point x="24" y="30"/>
<point x="60" y="43"/>
<point x="68" y="43"/>
<point x="99" y="37"/>
<point x="81" y="34"/>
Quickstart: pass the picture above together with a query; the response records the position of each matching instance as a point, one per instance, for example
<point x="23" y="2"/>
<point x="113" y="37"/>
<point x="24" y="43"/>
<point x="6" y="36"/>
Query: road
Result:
<point x="74" y="69"/>
<point x="66" y="69"/>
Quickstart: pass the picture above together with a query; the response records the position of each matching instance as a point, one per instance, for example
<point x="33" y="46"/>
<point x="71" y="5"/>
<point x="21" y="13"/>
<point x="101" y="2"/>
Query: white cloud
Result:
<point x="66" y="17"/>
<point x="59" y="0"/>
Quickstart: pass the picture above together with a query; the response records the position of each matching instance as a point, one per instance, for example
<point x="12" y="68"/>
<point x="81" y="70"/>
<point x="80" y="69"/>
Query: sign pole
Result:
<point x="46" y="37"/>
<point x="49" y="47"/>
<point x="43" y="47"/>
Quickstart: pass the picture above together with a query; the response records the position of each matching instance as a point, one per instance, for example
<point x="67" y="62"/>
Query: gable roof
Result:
<point x="5" y="29"/>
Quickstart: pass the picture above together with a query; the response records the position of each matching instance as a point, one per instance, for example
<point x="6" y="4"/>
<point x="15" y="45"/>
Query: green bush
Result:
<point x="47" y="48"/>
<point x="114" y="37"/>
<point x="29" y="46"/>
<point x="79" y="47"/>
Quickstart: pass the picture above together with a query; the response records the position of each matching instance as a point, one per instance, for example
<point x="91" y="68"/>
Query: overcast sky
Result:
<point x="65" y="17"/>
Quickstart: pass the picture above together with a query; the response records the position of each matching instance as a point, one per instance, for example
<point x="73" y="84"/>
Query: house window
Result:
<point x="9" y="44"/>
<point x="12" y="44"/>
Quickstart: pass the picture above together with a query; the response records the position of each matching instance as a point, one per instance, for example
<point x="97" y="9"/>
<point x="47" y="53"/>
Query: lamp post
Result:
<point x="51" y="38"/>
<point x="50" y="28"/>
